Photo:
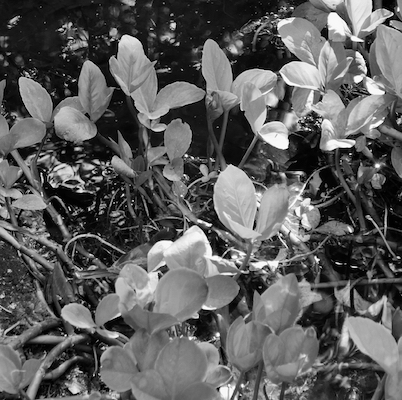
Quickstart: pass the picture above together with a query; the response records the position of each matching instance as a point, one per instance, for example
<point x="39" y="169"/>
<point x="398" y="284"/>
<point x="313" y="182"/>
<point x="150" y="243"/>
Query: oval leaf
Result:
<point x="73" y="126"/>
<point x="36" y="99"/>
<point x="221" y="291"/>
<point x="27" y="132"/>
<point x="117" y="369"/>
<point x="30" y="202"/>
<point x="181" y="363"/>
<point x="78" y="316"/>
<point x="234" y="195"/>
<point x="180" y="293"/>
<point x="177" y="138"/>
<point x="301" y="74"/>
<point x="108" y="309"/>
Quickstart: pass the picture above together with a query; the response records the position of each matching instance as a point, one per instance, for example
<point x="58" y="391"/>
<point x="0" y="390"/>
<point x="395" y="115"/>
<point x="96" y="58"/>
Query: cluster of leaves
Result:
<point x="182" y="277"/>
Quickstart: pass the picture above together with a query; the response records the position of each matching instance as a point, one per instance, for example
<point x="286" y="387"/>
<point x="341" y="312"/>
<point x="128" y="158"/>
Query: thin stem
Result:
<point x="248" y="151"/>
<point x="341" y="178"/>
<point x="223" y="130"/>
<point x="283" y="389"/>
<point x="258" y="379"/>
<point x="216" y="144"/>
<point x="238" y="384"/>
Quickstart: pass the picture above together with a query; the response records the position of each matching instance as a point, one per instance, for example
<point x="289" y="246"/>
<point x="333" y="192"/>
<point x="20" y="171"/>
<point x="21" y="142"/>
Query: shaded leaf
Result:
<point x="107" y="309"/>
<point x="221" y="291"/>
<point x="174" y="170"/>
<point x="180" y="293"/>
<point x="78" y="316"/>
<point x="30" y="202"/>
<point x="122" y="168"/>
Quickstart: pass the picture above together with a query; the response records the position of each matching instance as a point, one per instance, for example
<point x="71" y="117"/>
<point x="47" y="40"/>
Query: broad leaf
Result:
<point x="107" y="309"/>
<point x="216" y="68"/>
<point x="149" y="385"/>
<point x="36" y="99"/>
<point x="253" y="104"/>
<point x="198" y="391"/>
<point x="301" y="74"/>
<point x="273" y="210"/>
<point x="396" y="159"/>
<point x="30" y="202"/>
<point x="177" y="138"/>
<point x="30" y="368"/>
<point x="181" y="363"/>
<point x="122" y="168"/>
<point x="180" y="293"/>
<point x="375" y="341"/>
<point x="117" y="368"/>
<point x="302" y="38"/>
<point x="178" y="94"/>
<point x="374" y="20"/>
<point x="73" y="126"/>
<point x="358" y="12"/>
<point x="276" y="134"/>
<point x="174" y="170"/>
<point x="8" y="381"/>
<point x="27" y="132"/>
<point x="221" y="291"/>
<point x="93" y="92"/>
<point x="388" y="51"/>
<point x="278" y="306"/>
<point x="234" y="196"/>
<point x="78" y="316"/>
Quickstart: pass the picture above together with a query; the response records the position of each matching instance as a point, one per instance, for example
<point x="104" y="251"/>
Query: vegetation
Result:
<point x="241" y="222"/>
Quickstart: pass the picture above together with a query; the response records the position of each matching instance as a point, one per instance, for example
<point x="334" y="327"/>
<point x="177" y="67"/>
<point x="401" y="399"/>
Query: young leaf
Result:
<point x="117" y="369"/>
<point x="302" y="38"/>
<point x="180" y="293"/>
<point x="181" y="363"/>
<point x="73" y="126"/>
<point x="375" y="341"/>
<point x="36" y="99"/>
<point x="108" y="309"/>
<point x="78" y="316"/>
<point x="174" y="170"/>
<point x="122" y="168"/>
<point x="273" y="210"/>
<point x="234" y="198"/>
<point x="93" y="92"/>
<point x="177" y="138"/>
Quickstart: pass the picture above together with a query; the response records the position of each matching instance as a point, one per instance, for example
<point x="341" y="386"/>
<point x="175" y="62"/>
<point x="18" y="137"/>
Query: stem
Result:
<point x="283" y="389"/>
<point x="392" y="132"/>
<point x="341" y="178"/>
<point x="245" y="260"/>
<point x="258" y="379"/>
<point x="248" y="151"/>
<point x="134" y="113"/>
<point x="223" y="130"/>
<point x="216" y="145"/>
<point x="237" y="387"/>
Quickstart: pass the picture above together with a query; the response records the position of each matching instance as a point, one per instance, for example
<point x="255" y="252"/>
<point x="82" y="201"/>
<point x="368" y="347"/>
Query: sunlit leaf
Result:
<point x="27" y="132"/>
<point x="73" y="126"/>
<point x="177" y="138"/>
<point x="234" y="195"/>
<point x="375" y="341"/>
<point x="107" y="309"/>
<point x="358" y="12"/>
<point x="276" y="134"/>
<point x="301" y="74"/>
<point x="36" y="99"/>
<point x="178" y="94"/>
<point x="302" y="38"/>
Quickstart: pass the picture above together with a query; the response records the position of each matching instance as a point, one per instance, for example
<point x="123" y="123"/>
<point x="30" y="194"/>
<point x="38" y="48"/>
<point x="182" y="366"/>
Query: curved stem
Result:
<point x="216" y="145"/>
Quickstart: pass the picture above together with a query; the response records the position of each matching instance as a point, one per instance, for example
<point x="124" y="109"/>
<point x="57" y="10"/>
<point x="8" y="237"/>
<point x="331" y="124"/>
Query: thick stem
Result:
<point x="237" y="387"/>
<point x="258" y="379"/>
<point x="248" y="151"/>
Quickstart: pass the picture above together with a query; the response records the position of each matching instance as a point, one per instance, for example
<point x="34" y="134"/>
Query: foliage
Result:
<point x="350" y="82"/>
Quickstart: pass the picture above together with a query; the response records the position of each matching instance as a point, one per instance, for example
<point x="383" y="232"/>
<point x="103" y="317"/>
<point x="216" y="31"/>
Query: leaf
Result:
<point x="375" y="341"/>
<point x="181" y="363"/>
<point x="337" y="228"/>
<point x="358" y="12"/>
<point x="273" y="210"/>
<point x="177" y="138"/>
<point x="2" y="87"/>
<point x="155" y="257"/>
<point x="117" y="369"/>
<point x="178" y="94"/>
<point x="30" y="202"/>
<point x="8" y="381"/>
<point x="36" y="99"/>
<point x="396" y="159"/>
<point x="149" y="385"/>
<point x="93" y="92"/>
<point x="122" y="168"/>
<point x="107" y="309"/>
<point x="234" y="198"/>
<point x="376" y="18"/>
<point x="30" y="368"/>
<point x="388" y="52"/>
<point x="78" y="316"/>
<point x="219" y="376"/>
<point x="301" y="74"/>
<point x="276" y="134"/>
<point x="216" y="68"/>
<point x="73" y="126"/>
<point x="146" y="347"/>
<point x="363" y="112"/>
<point x="27" y="132"/>
<point x="189" y="251"/>
<point x="174" y="170"/>
<point x="180" y="293"/>
<point x="221" y="291"/>
<point x="198" y="391"/>
<point x="278" y="307"/>
<point x="302" y="39"/>
<point x="61" y="285"/>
